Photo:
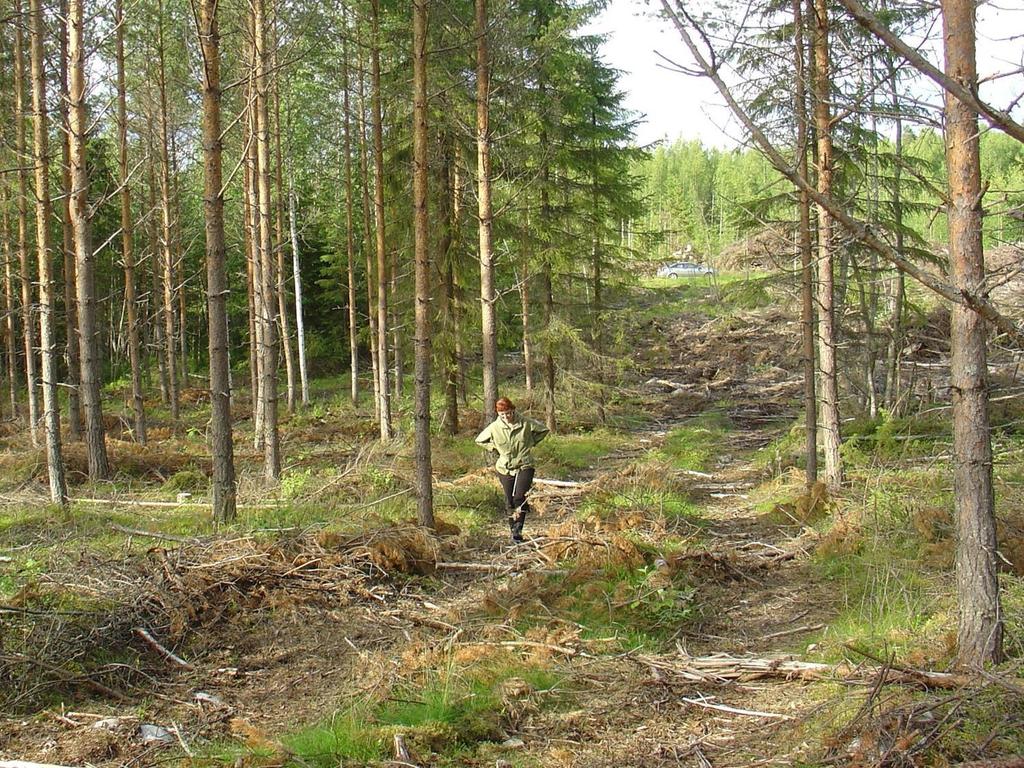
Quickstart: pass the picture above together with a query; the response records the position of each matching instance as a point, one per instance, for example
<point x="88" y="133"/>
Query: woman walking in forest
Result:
<point x="513" y="438"/>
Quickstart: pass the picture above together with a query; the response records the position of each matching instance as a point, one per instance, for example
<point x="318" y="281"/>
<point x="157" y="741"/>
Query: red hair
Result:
<point x="504" y="404"/>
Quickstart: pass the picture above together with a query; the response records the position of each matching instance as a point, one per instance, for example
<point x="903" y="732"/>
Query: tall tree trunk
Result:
<point x="893" y="386"/>
<point x="489" y="330"/>
<point x="446" y="254"/>
<point x="829" y="394"/>
<point x="371" y="283"/>
<point x="221" y="446"/>
<point x="597" y="334"/>
<point x="127" y="246"/>
<point x="282" y="293"/>
<point x="180" y="281"/>
<point x="9" y="312"/>
<point x="70" y="278"/>
<point x="166" y="238"/>
<point x="458" y="292"/>
<point x="28" y="322"/>
<point x="47" y="340"/>
<point x="350" y="241"/>
<point x="155" y="305"/>
<point x="980" y="635"/>
<point x="805" y="250"/>
<point x="250" y="284"/>
<point x="546" y="287"/>
<point x="397" y="330"/>
<point x="524" y="307"/>
<point x="421" y="244"/>
<point x="549" y="358"/>
<point x="255" y="261"/>
<point x="95" y="442"/>
<point x="300" y="325"/>
<point x="271" y="444"/>
<point x="387" y="431"/>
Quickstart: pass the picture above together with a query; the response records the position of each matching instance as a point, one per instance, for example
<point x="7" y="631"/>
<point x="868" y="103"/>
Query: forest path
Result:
<point x="562" y="602"/>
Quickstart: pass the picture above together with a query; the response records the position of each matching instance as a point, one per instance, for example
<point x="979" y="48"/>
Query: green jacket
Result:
<point x="512" y="442"/>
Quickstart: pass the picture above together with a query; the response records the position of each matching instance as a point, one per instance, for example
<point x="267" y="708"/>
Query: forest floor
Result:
<point x="681" y="598"/>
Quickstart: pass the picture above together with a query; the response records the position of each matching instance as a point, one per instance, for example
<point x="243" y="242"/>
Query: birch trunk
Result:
<point x="524" y="306"/>
<point x="9" y="312"/>
<point x="155" y="312"/>
<point x="350" y="245"/>
<point x="170" y="356"/>
<point x="894" y="383"/>
<point x="222" y="449"/>
<point x="489" y="331"/>
<point x="28" y="322"/>
<point x="178" y="248"/>
<point x="250" y="285"/>
<point x="281" y="274"/>
<point x="95" y="442"/>
<point x="371" y="299"/>
<point x="300" y="326"/>
<point x="70" y="277"/>
<point x="387" y="431"/>
<point x="127" y="246"/>
<point x="446" y="253"/>
<point x="41" y="161"/>
<point x="421" y="244"/>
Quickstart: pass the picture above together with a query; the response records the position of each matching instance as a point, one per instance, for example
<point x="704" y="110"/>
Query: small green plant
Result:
<point x="297" y="483"/>
<point x="187" y="480"/>
<point x="380" y="479"/>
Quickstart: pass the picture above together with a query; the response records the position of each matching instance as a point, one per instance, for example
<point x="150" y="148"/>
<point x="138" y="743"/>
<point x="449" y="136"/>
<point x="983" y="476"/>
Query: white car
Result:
<point x="684" y="269"/>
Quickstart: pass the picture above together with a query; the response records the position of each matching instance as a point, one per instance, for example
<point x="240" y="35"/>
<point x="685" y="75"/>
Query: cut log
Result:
<point x="722" y="668"/>
<point x="557" y="483"/>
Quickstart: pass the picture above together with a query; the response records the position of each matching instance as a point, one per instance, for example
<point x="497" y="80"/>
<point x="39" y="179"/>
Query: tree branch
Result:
<point x="997" y="118"/>
<point x="858" y="229"/>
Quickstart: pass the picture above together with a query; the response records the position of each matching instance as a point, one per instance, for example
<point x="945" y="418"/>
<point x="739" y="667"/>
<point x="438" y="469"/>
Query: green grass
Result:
<point x="670" y="505"/>
<point x="887" y="604"/>
<point x="448" y="712"/>
<point x="565" y="455"/>
<point x="347" y="736"/>
<point x="695" y="445"/>
<point x="632" y="605"/>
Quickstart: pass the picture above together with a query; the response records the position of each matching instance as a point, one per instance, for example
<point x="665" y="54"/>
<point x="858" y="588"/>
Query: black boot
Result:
<point x="512" y="518"/>
<point x="516" y="523"/>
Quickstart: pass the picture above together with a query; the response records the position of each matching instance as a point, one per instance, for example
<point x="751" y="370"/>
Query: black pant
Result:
<point x="516" y="486"/>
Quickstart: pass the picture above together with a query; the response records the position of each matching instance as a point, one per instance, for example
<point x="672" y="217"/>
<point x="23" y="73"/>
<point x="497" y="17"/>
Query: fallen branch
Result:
<point x="723" y="668"/>
<point x="27" y="764"/>
<point x="150" y="534"/>
<point x="557" y="483"/>
<point x="735" y="711"/>
<point x="148" y="639"/>
<point x="482" y="567"/>
<point x="533" y="644"/>
<point x="164" y="504"/>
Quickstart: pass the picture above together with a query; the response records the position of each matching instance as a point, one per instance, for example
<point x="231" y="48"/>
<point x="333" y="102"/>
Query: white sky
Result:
<point x="678" y="105"/>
